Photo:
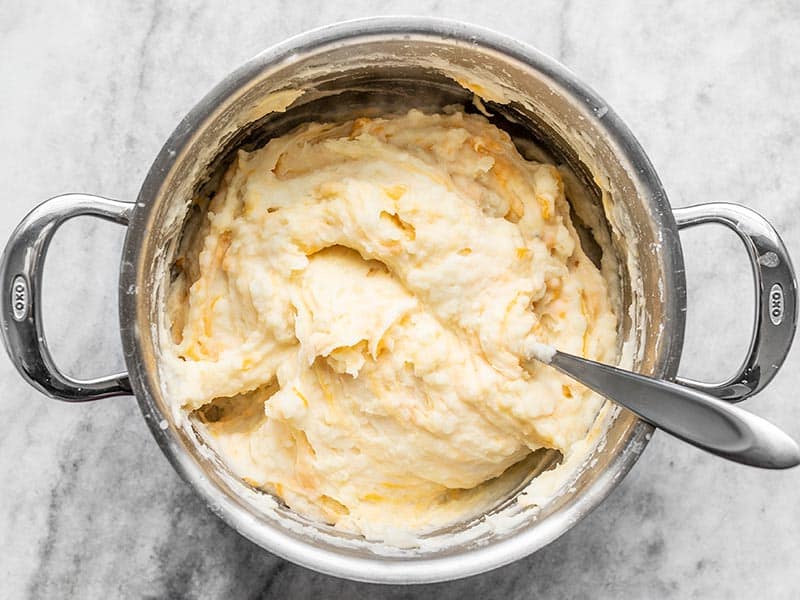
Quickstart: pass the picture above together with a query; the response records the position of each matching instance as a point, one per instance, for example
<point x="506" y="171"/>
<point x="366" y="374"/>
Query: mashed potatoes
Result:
<point x="348" y="320"/>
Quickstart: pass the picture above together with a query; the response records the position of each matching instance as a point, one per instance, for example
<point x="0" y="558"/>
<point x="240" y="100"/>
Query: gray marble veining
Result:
<point x="89" y="506"/>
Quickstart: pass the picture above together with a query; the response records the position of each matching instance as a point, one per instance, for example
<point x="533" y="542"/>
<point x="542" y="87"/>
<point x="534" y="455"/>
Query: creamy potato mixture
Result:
<point x="349" y="319"/>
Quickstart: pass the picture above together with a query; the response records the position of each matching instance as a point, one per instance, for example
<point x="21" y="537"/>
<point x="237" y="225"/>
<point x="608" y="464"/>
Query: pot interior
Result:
<point x="551" y="116"/>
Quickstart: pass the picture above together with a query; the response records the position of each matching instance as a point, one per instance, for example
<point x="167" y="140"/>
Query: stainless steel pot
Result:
<point x="394" y="63"/>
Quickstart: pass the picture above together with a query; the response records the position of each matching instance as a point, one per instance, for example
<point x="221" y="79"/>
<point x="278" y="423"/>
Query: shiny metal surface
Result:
<point x="385" y="63"/>
<point x="693" y="416"/>
<point x="21" y="306"/>
<point x="775" y="302"/>
<point x="382" y="62"/>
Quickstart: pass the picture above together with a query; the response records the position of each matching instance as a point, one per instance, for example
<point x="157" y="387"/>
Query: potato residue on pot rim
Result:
<point x="349" y="316"/>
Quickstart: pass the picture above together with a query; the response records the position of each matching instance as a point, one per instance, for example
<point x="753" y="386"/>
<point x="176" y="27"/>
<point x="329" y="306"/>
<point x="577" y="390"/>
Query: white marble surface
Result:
<point x="89" y="506"/>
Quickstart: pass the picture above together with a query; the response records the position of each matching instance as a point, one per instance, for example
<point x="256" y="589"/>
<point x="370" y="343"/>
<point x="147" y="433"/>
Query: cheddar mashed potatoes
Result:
<point x="349" y="319"/>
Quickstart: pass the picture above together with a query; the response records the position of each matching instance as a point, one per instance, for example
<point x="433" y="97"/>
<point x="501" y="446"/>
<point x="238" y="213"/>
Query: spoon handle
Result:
<point x="693" y="416"/>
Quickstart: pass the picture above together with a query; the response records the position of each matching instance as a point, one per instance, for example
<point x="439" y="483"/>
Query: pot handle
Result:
<point x="776" y="297"/>
<point x="20" y="307"/>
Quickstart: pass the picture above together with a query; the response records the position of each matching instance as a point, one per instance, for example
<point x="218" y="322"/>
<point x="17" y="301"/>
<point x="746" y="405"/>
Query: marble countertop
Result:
<point x="90" y="507"/>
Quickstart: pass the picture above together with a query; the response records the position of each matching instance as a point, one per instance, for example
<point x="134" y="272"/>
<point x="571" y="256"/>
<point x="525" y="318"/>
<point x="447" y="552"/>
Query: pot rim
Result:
<point x="275" y="539"/>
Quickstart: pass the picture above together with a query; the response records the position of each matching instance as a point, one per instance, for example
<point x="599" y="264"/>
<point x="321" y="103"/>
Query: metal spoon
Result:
<point x="693" y="416"/>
